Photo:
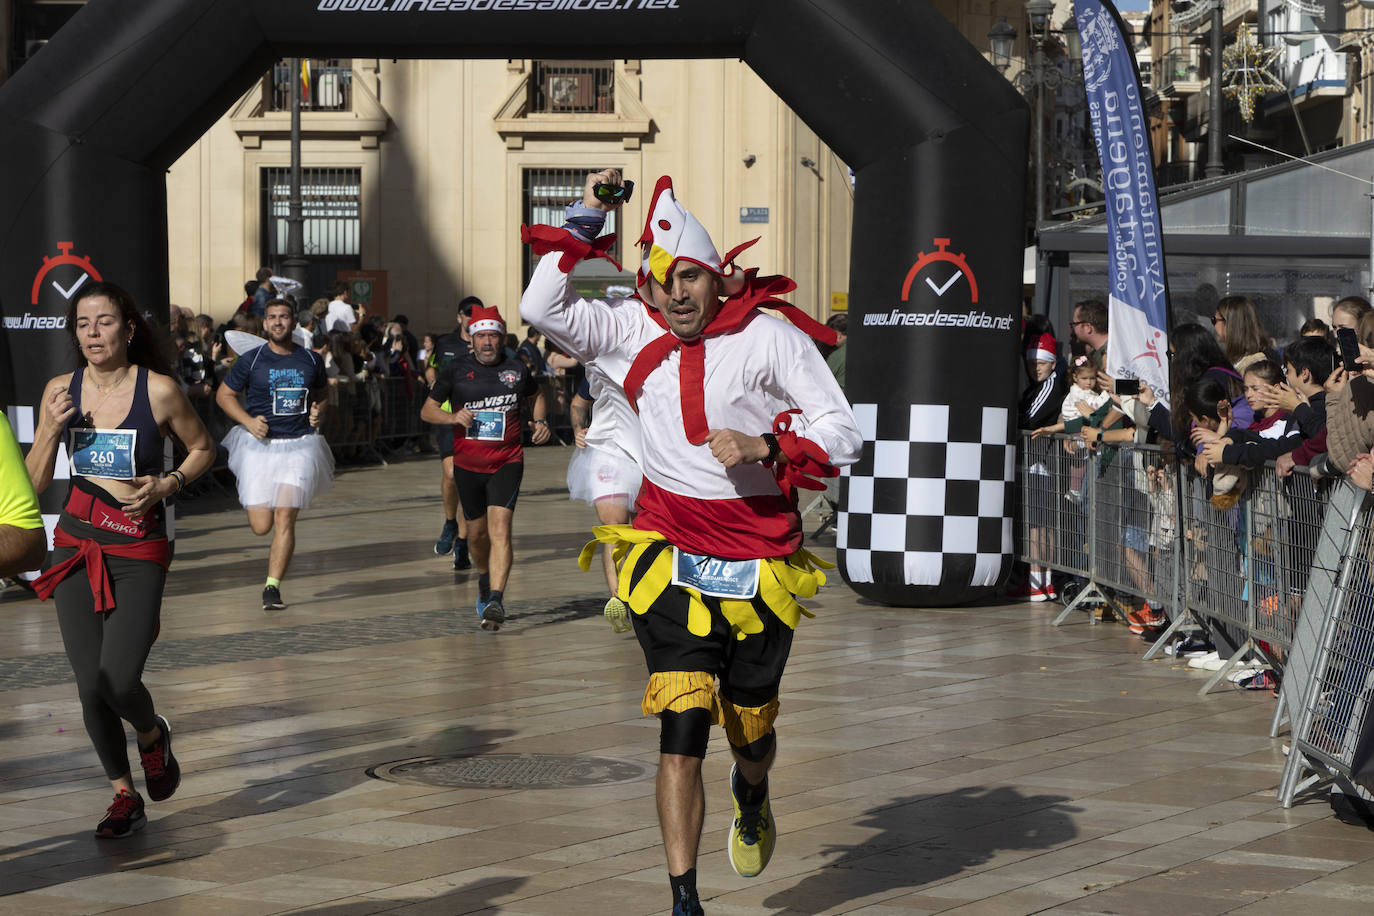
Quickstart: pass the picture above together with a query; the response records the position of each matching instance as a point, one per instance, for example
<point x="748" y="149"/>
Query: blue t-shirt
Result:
<point x="280" y="388"/>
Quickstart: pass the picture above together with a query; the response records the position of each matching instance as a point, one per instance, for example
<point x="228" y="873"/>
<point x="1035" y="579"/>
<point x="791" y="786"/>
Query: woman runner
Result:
<point x="112" y="415"/>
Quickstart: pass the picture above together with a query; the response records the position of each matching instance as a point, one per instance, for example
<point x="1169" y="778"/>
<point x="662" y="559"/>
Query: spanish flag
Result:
<point x="305" y="78"/>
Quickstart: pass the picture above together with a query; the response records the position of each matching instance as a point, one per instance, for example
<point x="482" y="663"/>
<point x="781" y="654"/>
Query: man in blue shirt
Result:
<point x="275" y="451"/>
<point x="264" y="294"/>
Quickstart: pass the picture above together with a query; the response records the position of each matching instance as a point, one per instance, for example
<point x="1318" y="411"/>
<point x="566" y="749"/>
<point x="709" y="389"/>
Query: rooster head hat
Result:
<point x="672" y="234"/>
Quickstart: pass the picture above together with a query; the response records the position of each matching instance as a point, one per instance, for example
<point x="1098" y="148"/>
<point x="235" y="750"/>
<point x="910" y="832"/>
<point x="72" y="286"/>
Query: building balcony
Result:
<point x="1178" y="73"/>
<point x="572" y="87"/>
<point x="330" y="89"/>
<point x="1324" y="74"/>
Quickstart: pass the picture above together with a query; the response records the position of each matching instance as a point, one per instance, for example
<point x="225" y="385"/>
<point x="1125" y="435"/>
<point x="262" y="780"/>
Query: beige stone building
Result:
<point x="426" y="169"/>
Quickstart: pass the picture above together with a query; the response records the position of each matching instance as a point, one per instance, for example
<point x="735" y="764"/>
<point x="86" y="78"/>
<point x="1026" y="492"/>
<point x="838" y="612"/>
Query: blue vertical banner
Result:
<point x="1138" y="294"/>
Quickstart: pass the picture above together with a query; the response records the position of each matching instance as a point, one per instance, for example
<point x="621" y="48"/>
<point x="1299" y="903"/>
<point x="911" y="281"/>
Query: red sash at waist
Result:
<point x="85" y="506"/>
<point x="742" y="528"/>
<point x="93" y="555"/>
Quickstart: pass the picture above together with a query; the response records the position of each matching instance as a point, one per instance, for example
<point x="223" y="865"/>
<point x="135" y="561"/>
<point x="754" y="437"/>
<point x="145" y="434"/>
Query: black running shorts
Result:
<point x="476" y="492"/>
<point x="750" y="669"/>
<point x="443" y="438"/>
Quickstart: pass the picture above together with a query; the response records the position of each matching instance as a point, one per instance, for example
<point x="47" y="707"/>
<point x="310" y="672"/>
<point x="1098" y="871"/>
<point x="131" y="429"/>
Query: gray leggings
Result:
<point x="107" y="652"/>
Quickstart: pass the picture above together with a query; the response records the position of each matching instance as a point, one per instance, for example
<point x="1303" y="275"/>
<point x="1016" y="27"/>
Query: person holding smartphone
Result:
<point x="110" y="548"/>
<point x="1307" y="362"/>
<point x="713" y="561"/>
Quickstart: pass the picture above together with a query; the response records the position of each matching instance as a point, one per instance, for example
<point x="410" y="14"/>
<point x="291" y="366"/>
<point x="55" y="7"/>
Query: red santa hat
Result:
<point x="486" y="318"/>
<point x="672" y="234"/>
<point x="1043" y="349"/>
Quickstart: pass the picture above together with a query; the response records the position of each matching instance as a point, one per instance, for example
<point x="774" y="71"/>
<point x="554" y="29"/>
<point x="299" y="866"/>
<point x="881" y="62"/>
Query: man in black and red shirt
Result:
<point x="488" y="389"/>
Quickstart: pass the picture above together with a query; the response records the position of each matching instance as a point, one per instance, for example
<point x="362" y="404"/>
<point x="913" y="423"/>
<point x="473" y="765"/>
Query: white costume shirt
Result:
<point x="615" y="425"/>
<point x="764" y="367"/>
<point x="340" y="317"/>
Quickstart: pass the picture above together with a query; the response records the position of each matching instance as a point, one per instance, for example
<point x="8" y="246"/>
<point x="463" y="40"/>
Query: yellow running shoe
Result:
<point x="618" y="614"/>
<point x="751" y="835"/>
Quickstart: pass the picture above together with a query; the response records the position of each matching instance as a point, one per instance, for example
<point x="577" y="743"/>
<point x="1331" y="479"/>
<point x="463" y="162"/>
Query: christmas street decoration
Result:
<point x="1248" y="71"/>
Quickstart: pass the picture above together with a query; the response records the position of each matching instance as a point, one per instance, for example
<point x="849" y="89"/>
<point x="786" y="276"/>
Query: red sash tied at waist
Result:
<point x="93" y="556"/>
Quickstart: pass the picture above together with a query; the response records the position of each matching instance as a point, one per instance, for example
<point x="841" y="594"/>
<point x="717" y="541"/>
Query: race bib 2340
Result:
<point x="289" y="402"/>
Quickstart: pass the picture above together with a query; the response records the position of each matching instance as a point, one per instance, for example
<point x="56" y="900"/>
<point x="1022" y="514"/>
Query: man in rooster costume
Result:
<point x="736" y="409"/>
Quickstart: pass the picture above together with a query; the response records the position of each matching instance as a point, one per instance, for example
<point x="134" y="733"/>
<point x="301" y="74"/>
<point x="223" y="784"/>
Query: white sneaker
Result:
<point x="1209" y="662"/>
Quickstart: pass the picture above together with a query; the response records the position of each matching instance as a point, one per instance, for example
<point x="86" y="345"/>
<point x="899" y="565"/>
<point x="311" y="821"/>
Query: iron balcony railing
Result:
<point x="330" y="86"/>
<point x="572" y="87"/>
<point x="1179" y="72"/>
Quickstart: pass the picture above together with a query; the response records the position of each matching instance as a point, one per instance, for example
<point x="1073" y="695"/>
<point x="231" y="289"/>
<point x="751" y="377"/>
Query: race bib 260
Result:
<point x="103" y="453"/>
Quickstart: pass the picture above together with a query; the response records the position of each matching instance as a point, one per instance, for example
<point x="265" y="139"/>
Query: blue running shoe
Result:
<point x="493" y="615"/>
<point x="688" y="906"/>
<point x="444" y="546"/>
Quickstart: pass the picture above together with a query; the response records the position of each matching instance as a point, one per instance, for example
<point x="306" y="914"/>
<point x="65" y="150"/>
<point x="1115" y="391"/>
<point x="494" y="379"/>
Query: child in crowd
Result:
<point x="1084" y="400"/>
<point x="1307" y="363"/>
<point x="1256" y="380"/>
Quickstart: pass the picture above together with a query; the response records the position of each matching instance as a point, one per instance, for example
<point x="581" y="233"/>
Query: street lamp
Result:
<point x="1039" y="12"/>
<point x="1039" y="76"/>
<point x="1001" y="39"/>
<point x="1073" y="44"/>
<point x="1215" y="168"/>
<point x="294" y="266"/>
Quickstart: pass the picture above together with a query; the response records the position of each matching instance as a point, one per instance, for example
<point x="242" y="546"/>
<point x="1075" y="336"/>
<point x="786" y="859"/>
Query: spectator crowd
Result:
<point x="1239" y="403"/>
<point x="376" y="366"/>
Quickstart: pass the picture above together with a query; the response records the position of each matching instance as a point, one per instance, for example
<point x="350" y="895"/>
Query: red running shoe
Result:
<point x="1045" y="593"/>
<point x="123" y="817"/>
<point x="1147" y="618"/>
<point x="161" y="772"/>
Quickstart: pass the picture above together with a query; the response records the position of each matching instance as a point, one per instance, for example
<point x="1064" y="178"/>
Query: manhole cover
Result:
<point x="513" y="771"/>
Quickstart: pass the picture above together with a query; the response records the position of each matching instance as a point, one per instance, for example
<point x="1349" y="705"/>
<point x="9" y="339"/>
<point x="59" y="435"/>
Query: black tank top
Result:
<point x="148" y="447"/>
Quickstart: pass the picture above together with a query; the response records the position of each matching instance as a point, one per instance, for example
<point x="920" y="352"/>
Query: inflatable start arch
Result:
<point x="936" y="136"/>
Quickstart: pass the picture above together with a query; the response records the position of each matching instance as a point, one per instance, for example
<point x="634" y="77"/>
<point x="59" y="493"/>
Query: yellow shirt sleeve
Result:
<point x="18" y="502"/>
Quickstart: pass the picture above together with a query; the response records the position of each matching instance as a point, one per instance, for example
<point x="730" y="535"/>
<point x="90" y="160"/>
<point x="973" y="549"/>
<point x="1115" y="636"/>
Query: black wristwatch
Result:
<point x="773" y="450"/>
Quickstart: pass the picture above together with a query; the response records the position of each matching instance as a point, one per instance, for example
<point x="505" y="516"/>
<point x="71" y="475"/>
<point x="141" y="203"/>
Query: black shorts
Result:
<point x="443" y="438"/>
<point x="478" y="491"/>
<point x="750" y="669"/>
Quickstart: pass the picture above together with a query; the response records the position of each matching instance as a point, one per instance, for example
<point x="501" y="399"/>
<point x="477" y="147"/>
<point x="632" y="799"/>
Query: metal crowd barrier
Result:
<point x="1104" y="517"/>
<point x="1248" y="566"/>
<point x="1131" y="522"/>
<point x="1285" y="571"/>
<point x="1330" y="674"/>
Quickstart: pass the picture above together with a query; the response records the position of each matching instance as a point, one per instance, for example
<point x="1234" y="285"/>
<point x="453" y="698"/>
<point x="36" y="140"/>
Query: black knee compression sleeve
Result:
<point x="755" y="751"/>
<point x="685" y="733"/>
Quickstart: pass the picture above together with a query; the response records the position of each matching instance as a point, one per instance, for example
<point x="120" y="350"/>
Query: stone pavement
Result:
<point x="971" y="760"/>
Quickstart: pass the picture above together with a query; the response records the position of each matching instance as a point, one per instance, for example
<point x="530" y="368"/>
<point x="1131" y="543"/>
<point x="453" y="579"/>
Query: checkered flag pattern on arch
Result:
<point x="929" y="500"/>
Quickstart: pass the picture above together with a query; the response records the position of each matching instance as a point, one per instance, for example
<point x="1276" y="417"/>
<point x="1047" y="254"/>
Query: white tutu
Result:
<point x="596" y="475"/>
<point x="279" y="472"/>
